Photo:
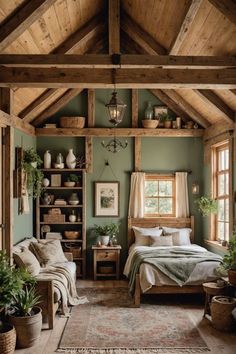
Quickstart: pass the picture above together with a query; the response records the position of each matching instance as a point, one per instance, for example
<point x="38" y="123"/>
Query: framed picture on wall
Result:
<point x="107" y="195"/>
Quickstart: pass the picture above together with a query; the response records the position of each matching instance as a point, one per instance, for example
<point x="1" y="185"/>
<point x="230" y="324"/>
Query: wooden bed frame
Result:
<point x="168" y="222"/>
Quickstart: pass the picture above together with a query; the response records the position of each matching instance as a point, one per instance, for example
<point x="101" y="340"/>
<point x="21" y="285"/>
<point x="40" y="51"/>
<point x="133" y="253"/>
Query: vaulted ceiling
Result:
<point x="154" y="27"/>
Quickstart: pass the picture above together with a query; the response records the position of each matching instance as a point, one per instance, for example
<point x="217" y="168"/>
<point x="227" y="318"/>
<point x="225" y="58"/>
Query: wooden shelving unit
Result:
<point x="58" y="192"/>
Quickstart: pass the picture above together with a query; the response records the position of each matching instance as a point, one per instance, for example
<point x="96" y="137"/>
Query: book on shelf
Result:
<point x="50" y="125"/>
<point x="54" y="235"/>
<point x="60" y="202"/>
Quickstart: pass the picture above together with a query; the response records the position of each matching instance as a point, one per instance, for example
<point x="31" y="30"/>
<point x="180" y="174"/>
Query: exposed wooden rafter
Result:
<point x="56" y="106"/>
<point x="126" y="61"/>
<point x="194" y="6"/>
<point x="125" y="78"/>
<point x="20" y="21"/>
<point x="129" y="132"/>
<point x="114" y="26"/>
<point x="216" y="104"/>
<point x="227" y="7"/>
<point x="16" y="122"/>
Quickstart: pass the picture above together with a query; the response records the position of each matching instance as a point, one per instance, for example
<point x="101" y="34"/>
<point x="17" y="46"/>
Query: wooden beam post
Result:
<point x="137" y="140"/>
<point x="114" y="26"/>
<point x="91" y="123"/>
<point x="6" y="103"/>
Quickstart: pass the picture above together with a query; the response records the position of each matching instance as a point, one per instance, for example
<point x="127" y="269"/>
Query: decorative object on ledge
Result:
<point x="72" y="122"/>
<point x="106" y="199"/>
<point x="114" y="145"/>
<point x="148" y="121"/>
<point x="71" y="159"/>
<point x="116" y="109"/>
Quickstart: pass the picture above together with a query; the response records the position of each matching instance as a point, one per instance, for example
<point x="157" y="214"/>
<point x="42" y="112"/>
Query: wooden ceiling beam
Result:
<point x="129" y="132"/>
<point x="125" y="78"/>
<point x="216" y="104"/>
<point x="56" y="106"/>
<point x="14" y="121"/>
<point x="194" y="6"/>
<point x="95" y="27"/>
<point x="127" y="61"/>
<point x="21" y="20"/>
<point x="114" y="26"/>
<point x="163" y="97"/>
<point x="140" y="36"/>
<point x="227" y="8"/>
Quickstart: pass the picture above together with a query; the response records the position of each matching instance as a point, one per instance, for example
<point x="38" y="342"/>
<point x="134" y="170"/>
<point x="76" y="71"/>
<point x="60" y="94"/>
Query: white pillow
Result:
<point x="48" y="251"/>
<point x="142" y="235"/>
<point x="161" y="241"/>
<point x="181" y="237"/>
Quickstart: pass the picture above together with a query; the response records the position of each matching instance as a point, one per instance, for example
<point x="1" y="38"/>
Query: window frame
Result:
<point x="157" y="177"/>
<point x="216" y="172"/>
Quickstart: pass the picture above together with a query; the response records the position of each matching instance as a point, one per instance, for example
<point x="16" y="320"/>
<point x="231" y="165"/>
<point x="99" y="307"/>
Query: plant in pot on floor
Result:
<point x="104" y="232"/>
<point x="34" y="177"/>
<point x="229" y="260"/>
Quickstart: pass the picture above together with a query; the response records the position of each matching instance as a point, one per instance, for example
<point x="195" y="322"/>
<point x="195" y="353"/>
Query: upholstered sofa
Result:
<point x="50" y="296"/>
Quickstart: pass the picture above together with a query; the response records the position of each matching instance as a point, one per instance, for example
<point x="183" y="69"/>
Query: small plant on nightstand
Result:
<point x="105" y="232"/>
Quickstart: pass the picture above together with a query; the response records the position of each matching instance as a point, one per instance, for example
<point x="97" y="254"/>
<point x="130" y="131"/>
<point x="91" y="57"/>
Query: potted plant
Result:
<point x="31" y="164"/>
<point x="229" y="260"/>
<point x="104" y="232"/>
<point x="12" y="281"/>
<point x="26" y="317"/>
<point x="207" y="205"/>
<point x="166" y="119"/>
<point x="72" y="180"/>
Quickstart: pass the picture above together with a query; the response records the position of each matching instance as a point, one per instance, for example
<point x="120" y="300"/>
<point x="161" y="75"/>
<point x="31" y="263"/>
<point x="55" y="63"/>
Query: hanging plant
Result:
<point x="31" y="164"/>
<point x="207" y="205"/>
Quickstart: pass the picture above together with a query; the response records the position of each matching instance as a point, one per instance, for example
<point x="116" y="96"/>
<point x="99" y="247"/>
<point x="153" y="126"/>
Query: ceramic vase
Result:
<point x="73" y="200"/>
<point x="71" y="159"/>
<point x="47" y="159"/>
<point x="46" y="182"/>
<point x="148" y="114"/>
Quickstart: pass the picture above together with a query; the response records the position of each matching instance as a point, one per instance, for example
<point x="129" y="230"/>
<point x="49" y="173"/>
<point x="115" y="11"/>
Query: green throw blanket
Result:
<point x="177" y="264"/>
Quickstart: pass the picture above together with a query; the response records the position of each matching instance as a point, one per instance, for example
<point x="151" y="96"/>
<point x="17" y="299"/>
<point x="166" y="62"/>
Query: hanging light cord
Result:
<point x="106" y="164"/>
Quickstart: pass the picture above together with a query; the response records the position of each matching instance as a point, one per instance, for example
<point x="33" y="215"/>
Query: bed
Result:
<point x="149" y="279"/>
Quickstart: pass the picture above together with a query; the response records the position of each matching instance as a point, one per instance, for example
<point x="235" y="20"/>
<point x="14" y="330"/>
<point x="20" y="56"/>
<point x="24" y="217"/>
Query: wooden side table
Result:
<point x="211" y="289"/>
<point x="106" y="261"/>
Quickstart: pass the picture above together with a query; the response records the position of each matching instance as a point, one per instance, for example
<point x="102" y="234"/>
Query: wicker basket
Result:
<point x="150" y="123"/>
<point x="54" y="218"/>
<point x="72" y="235"/>
<point x="221" y="312"/>
<point x="72" y="122"/>
<point x="8" y="340"/>
<point x="74" y="249"/>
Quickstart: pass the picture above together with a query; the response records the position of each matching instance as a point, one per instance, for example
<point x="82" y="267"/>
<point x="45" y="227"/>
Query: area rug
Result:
<point x="110" y="324"/>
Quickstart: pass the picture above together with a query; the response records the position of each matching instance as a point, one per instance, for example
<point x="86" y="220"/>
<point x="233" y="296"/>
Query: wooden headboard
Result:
<point x="178" y="223"/>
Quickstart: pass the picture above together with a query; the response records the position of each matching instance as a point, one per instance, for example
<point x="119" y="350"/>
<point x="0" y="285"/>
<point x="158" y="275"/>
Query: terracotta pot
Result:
<point x="167" y="124"/>
<point x="232" y="276"/>
<point x="28" y="328"/>
<point x="7" y="339"/>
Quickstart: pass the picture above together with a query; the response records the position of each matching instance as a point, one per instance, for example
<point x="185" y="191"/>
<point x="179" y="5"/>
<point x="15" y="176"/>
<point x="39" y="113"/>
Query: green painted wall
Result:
<point x="159" y="154"/>
<point x="23" y="224"/>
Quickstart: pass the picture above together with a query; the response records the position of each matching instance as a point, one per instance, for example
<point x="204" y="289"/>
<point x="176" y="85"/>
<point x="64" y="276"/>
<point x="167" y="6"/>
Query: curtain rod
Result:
<point x="163" y="172"/>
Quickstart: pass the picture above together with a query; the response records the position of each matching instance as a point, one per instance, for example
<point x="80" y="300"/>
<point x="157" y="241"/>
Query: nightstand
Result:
<point x="106" y="261"/>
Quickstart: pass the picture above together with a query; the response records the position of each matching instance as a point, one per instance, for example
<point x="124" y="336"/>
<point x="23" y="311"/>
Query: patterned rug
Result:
<point x="109" y="324"/>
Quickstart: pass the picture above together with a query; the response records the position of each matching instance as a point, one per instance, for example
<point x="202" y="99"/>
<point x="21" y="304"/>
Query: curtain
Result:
<point x="182" y="202"/>
<point x="136" y="199"/>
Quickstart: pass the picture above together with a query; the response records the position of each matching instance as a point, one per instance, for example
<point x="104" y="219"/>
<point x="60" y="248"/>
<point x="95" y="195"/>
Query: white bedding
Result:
<point x="149" y="276"/>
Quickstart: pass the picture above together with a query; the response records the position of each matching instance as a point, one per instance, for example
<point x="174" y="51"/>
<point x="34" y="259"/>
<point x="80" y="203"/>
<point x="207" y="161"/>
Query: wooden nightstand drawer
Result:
<point x="107" y="255"/>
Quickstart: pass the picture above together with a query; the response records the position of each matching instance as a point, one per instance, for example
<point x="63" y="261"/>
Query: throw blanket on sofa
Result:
<point x="64" y="282"/>
<point x="177" y="264"/>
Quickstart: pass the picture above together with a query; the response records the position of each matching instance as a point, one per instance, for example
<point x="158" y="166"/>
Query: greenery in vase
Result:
<point x="74" y="178"/>
<point x="207" y="205"/>
<point x="109" y="229"/>
<point x="164" y="116"/>
<point x="31" y="163"/>
<point x="229" y="260"/>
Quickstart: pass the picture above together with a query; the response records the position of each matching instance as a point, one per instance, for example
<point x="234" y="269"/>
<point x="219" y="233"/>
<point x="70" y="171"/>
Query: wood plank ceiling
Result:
<point x="156" y="27"/>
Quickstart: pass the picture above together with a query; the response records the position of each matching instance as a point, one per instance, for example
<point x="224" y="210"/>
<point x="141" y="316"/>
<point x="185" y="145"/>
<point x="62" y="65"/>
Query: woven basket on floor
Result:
<point x="8" y="340"/>
<point x="221" y="312"/>
<point x="72" y="122"/>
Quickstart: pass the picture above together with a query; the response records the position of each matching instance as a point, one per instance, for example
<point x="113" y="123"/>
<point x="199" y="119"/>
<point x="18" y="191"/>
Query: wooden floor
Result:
<point x="218" y="343"/>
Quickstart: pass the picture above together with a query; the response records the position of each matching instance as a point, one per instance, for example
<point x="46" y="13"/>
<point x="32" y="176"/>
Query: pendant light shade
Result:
<point x="116" y="109"/>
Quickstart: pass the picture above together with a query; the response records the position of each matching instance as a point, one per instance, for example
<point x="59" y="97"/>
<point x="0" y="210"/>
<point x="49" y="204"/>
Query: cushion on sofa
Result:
<point x="23" y="244"/>
<point x="48" y="252"/>
<point x="25" y="258"/>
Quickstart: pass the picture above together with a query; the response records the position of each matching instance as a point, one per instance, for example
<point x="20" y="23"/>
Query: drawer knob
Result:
<point x="106" y="255"/>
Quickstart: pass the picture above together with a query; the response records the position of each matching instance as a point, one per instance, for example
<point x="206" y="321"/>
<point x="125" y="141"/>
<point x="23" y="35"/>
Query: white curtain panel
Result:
<point x="136" y="199"/>
<point x="182" y="202"/>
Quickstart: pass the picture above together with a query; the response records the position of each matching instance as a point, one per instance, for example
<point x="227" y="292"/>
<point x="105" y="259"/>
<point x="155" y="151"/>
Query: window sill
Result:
<point x="216" y="244"/>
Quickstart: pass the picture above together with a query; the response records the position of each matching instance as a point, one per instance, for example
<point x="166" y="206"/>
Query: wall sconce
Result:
<point x="195" y="188"/>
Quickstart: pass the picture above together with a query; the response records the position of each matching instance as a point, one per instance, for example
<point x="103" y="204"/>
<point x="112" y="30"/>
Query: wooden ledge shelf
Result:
<point x="60" y="206"/>
<point x="125" y="132"/>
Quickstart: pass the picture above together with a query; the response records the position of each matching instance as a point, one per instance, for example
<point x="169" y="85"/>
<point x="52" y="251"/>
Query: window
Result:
<point x="159" y="195"/>
<point x="221" y="189"/>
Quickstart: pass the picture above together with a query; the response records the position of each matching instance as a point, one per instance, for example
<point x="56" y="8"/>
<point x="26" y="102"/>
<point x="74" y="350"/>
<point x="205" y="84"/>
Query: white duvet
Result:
<point x="149" y="276"/>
